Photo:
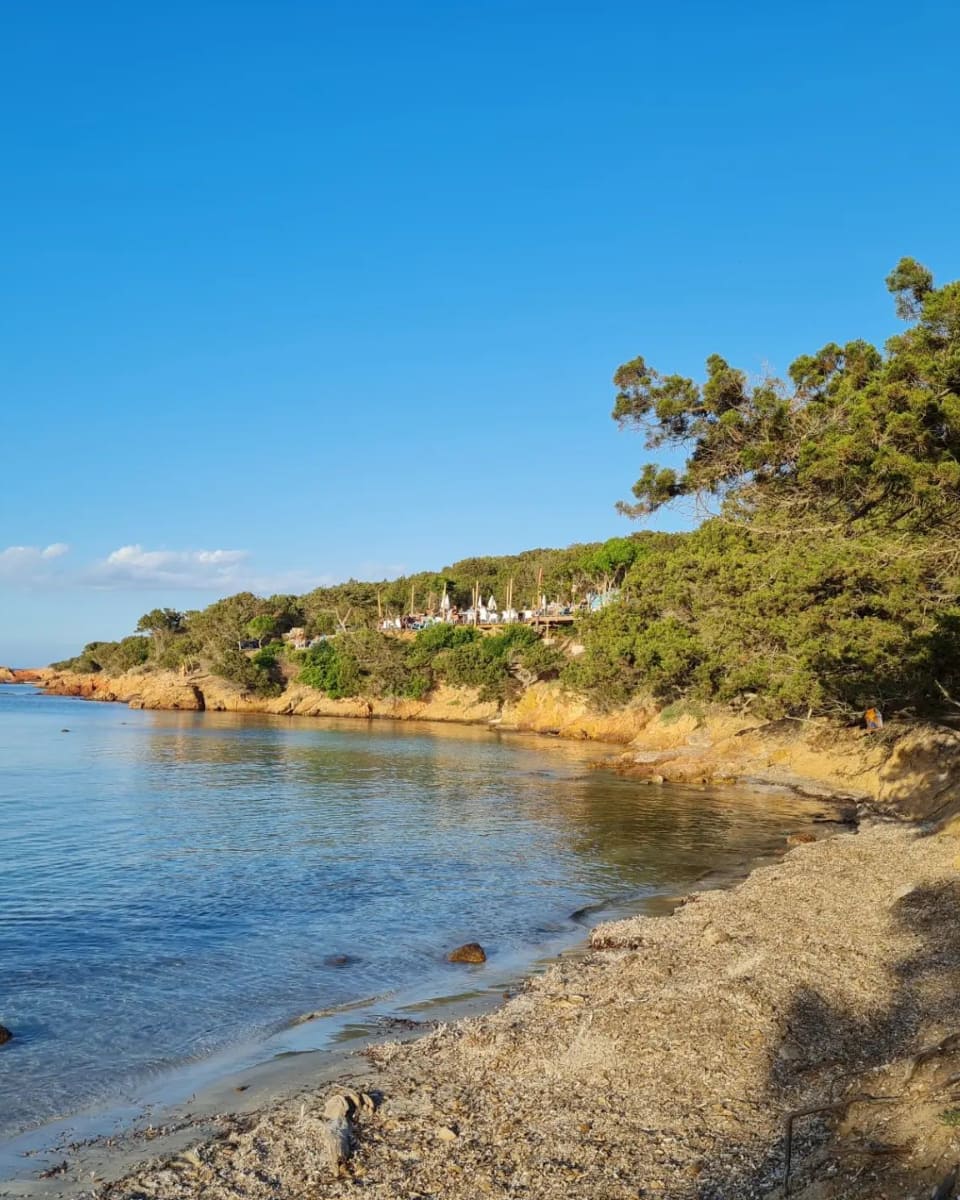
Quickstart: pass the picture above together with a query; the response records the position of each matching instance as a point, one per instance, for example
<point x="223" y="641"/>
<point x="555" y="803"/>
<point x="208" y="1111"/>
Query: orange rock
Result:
<point x="472" y="952"/>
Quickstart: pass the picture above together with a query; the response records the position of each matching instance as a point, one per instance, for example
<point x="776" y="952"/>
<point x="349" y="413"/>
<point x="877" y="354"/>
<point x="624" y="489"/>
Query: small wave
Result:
<point x="335" y="1010"/>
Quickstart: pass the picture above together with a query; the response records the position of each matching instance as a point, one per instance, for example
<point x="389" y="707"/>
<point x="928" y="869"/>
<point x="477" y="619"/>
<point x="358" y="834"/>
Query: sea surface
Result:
<point x="175" y="887"/>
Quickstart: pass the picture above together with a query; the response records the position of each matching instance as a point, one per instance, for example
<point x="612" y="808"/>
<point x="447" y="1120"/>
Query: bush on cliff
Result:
<point x="500" y="663"/>
<point x="369" y="663"/>
<point x="327" y="668"/>
<point x="113" y="658"/>
<point x="256" y="678"/>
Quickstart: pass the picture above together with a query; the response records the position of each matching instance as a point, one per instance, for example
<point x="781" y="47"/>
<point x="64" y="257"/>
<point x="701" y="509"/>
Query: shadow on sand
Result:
<point x="887" y="1088"/>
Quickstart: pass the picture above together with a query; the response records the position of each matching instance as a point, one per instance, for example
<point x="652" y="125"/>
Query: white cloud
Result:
<point x="133" y="566"/>
<point x="29" y="564"/>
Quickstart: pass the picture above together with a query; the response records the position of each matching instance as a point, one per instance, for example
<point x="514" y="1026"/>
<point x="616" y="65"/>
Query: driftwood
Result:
<point x="838" y="1106"/>
<point x="945" y="1046"/>
<point x="336" y="1128"/>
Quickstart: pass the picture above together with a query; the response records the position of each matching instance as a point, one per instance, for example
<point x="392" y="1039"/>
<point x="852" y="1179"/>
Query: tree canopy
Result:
<point x="857" y="440"/>
<point x="827" y="577"/>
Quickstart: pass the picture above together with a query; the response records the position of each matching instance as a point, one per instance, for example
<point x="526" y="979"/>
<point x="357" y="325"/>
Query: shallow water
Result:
<point x="175" y="884"/>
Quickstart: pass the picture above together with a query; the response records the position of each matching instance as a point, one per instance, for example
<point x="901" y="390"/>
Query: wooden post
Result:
<point x="411" y="599"/>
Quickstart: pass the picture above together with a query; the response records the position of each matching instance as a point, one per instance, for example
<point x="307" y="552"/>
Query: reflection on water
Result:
<point x="181" y="882"/>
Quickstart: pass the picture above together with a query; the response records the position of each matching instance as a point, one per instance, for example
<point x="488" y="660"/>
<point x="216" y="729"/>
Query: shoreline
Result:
<point x="109" y="1140"/>
<point x="203" y="692"/>
<point x="189" y="1101"/>
<point x="662" y="1062"/>
<point x="678" y="744"/>
<point x="272" y="1075"/>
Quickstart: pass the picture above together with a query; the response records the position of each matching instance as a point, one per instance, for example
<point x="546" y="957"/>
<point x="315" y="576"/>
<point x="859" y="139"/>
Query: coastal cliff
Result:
<point x="909" y="770"/>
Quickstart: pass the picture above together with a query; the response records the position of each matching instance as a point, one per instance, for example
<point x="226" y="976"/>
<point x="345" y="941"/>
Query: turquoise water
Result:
<point x="174" y="884"/>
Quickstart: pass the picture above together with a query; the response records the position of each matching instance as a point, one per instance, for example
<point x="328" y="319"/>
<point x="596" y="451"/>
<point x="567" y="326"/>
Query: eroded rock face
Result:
<point x="471" y="952"/>
<point x="920" y="779"/>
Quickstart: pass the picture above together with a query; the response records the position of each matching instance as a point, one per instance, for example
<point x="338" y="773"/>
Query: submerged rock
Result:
<point x="340" y="960"/>
<point x="471" y="952"/>
<point x="5" y="1034"/>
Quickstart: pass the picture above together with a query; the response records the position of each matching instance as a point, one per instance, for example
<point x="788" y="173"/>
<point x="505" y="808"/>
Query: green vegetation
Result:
<point x="371" y="664"/>
<point x="112" y="657"/>
<point x="241" y="637"/>
<point x="258" y="677"/>
<point x="823" y="578"/>
<point x="827" y="577"/>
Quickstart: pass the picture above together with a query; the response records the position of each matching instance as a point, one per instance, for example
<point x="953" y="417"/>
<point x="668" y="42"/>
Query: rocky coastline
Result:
<point x="910" y="769"/>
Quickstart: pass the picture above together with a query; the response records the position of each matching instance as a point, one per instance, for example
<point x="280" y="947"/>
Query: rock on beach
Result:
<point x="471" y="952"/>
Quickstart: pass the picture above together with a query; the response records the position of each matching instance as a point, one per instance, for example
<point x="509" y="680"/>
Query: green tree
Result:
<point x="827" y="578"/>
<point x="262" y="627"/>
<point x="163" y="625"/>
<point x="223" y="625"/>
<point x="858" y="439"/>
<point x="260" y="678"/>
<point x="331" y="668"/>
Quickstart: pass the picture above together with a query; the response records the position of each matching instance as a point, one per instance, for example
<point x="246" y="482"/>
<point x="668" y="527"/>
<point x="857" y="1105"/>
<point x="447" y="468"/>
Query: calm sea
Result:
<point x="174" y="885"/>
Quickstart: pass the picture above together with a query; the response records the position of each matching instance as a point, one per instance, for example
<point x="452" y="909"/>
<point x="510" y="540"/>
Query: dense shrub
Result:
<point x="374" y="664"/>
<point x="828" y="625"/>
<point x="495" y="663"/>
<point x="252" y="677"/>
<point x="111" y="657"/>
<point x="330" y="668"/>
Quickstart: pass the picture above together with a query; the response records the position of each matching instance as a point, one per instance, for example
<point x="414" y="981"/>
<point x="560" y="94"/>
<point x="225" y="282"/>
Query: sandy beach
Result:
<point x="666" y="1062"/>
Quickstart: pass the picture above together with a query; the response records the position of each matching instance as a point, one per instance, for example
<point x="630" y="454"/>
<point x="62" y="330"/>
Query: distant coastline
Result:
<point x="679" y="743"/>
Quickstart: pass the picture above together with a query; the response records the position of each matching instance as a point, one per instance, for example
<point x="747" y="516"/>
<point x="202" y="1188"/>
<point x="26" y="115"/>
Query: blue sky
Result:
<point x="300" y="290"/>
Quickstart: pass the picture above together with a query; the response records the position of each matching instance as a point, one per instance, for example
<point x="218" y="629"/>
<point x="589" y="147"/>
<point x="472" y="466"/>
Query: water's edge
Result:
<point x="105" y="1143"/>
<point x="179" y="1105"/>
